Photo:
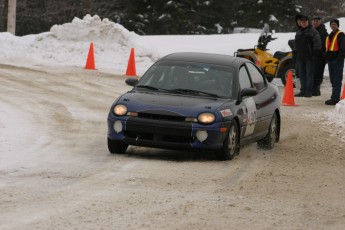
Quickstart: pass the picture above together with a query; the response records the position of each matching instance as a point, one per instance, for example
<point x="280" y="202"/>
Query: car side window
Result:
<point x="257" y="78"/>
<point x="244" y="78"/>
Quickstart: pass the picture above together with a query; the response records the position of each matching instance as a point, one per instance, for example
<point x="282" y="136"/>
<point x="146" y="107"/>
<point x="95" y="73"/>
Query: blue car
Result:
<point x="197" y="101"/>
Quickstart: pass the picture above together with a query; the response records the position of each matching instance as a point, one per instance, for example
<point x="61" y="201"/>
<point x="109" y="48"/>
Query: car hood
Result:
<point x="186" y="105"/>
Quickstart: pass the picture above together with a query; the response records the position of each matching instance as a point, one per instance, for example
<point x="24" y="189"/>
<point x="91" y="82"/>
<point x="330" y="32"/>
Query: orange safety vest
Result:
<point x="333" y="44"/>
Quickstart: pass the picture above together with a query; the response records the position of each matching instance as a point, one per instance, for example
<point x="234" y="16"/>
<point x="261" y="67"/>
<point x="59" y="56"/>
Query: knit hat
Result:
<point x="298" y="17"/>
<point x="334" y="20"/>
<point x="304" y="18"/>
<point x="316" y="18"/>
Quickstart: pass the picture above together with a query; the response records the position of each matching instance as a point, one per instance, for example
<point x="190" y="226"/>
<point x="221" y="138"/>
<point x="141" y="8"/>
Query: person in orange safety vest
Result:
<point x="335" y="54"/>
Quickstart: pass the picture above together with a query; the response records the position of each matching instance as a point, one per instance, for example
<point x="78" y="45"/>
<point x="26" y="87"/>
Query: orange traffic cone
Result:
<point x="289" y="98"/>
<point x="131" y="71"/>
<point x="90" y="62"/>
<point x="343" y="95"/>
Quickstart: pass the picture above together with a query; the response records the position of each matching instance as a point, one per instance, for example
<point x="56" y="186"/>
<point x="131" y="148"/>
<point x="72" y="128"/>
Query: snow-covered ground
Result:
<point x="68" y="45"/>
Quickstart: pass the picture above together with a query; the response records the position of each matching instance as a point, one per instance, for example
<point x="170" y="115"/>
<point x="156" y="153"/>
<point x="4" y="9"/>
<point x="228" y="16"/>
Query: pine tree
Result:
<point x="179" y="16"/>
<point x="279" y="14"/>
<point x="171" y="16"/>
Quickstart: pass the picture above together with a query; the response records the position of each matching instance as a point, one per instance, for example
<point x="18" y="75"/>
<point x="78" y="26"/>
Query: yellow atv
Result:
<point x="273" y="66"/>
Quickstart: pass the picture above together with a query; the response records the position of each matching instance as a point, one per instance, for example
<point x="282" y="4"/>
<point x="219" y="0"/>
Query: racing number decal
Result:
<point x="251" y="116"/>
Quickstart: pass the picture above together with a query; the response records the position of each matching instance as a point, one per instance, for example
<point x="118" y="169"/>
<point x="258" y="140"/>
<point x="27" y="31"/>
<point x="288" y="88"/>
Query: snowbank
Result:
<point x="68" y="45"/>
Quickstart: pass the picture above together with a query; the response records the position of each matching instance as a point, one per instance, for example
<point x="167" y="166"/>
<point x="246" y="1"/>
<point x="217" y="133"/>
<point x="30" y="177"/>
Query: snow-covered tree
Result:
<point x="279" y="14"/>
<point x="170" y="16"/>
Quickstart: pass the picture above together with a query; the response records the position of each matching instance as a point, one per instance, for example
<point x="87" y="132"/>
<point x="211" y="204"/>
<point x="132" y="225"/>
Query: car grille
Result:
<point x="161" y="117"/>
<point x="158" y="137"/>
<point x="159" y="130"/>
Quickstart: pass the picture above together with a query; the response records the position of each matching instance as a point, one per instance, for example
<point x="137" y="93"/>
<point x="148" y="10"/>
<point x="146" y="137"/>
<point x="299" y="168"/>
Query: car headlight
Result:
<point x="206" y="118"/>
<point x="120" y="110"/>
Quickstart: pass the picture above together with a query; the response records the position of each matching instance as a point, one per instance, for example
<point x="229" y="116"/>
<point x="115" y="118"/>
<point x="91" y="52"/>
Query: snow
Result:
<point x="67" y="45"/>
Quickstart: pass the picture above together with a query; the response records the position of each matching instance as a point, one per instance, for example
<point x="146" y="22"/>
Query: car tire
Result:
<point x="116" y="146"/>
<point x="272" y="135"/>
<point x="231" y="145"/>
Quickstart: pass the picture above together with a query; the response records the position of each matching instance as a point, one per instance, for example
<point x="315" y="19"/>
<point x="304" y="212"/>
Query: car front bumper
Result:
<point x="166" y="134"/>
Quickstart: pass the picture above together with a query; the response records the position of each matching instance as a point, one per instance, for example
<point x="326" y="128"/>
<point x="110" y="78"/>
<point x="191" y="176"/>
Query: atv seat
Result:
<point x="241" y="50"/>
<point x="279" y="54"/>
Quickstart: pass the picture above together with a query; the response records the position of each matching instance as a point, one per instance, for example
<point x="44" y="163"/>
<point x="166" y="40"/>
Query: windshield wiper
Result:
<point x="147" y="87"/>
<point x="154" y="88"/>
<point x="192" y="91"/>
<point x="188" y="91"/>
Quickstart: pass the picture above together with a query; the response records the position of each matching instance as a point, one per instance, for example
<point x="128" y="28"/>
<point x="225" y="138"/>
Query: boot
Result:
<point x="300" y="94"/>
<point x="308" y="94"/>
<point x="316" y="91"/>
<point x="331" y="102"/>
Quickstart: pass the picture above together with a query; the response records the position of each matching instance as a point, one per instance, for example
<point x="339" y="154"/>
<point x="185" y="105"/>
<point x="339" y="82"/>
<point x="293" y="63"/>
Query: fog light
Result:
<point x="201" y="135"/>
<point x="117" y="126"/>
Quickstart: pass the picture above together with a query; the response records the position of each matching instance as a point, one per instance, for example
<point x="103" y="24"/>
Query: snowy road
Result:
<point x="56" y="172"/>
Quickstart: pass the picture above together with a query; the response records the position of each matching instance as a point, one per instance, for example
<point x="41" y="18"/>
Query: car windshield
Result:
<point x="189" y="78"/>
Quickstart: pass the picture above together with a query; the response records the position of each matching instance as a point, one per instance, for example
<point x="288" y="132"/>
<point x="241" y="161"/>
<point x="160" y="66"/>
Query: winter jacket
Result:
<point x="340" y="54"/>
<point x="307" y="43"/>
<point x="323" y="35"/>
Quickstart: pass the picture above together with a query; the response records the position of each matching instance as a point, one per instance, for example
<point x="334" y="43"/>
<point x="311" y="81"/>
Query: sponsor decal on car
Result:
<point x="251" y="115"/>
<point x="226" y="112"/>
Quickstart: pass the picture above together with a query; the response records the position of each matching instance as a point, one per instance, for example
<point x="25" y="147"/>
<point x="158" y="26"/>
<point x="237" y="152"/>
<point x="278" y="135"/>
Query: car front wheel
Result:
<point x="116" y="146"/>
<point x="272" y="135"/>
<point x="231" y="144"/>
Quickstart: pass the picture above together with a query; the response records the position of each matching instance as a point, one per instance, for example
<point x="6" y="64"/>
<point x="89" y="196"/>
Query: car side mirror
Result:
<point x="248" y="92"/>
<point x="132" y="81"/>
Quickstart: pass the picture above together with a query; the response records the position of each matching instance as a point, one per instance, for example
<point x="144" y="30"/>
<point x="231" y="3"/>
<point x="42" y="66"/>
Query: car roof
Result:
<point x="218" y="59"/>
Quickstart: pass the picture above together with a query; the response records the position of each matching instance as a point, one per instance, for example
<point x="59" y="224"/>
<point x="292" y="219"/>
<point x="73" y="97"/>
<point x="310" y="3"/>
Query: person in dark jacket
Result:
<point x="291" y="42"/>
<point x="307" y="49"/>
<point x="321" y="59"/>
<point x="335" y="54"/>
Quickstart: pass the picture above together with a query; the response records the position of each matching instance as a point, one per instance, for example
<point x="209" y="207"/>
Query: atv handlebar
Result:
<point x="264" y="40"/>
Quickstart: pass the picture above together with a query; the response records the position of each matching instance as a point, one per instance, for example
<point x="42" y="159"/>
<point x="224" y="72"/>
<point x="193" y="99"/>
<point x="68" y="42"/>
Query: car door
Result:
<point x="263" y="100"/>
<point x="256" y="119"/>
